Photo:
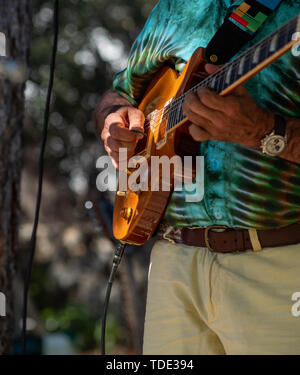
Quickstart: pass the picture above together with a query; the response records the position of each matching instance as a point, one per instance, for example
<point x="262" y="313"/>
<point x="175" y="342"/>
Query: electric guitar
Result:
<point x="137" y="213"/>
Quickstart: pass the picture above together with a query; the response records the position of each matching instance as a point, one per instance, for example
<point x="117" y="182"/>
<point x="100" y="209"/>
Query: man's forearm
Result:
<point x="292" y="152"/>
<point x="110" y="102"/>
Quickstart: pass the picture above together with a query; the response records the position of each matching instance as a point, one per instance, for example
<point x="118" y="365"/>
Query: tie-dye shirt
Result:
<point x="243" y="188"/>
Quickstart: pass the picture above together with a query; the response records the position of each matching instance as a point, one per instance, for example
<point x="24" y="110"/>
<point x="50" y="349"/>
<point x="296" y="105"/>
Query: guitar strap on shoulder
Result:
<point x="238" y="29"/>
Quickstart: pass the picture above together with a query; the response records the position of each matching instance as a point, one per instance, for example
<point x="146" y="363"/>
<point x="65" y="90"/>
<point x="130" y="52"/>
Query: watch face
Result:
<point x="275" y="145"/>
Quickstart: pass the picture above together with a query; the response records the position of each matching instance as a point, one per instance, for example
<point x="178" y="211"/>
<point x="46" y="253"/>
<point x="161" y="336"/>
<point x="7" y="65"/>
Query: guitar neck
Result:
<point x="240" y="70"/>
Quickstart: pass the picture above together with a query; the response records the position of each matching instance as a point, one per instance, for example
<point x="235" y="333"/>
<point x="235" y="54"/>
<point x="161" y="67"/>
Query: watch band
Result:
<point x="280" y="126"/>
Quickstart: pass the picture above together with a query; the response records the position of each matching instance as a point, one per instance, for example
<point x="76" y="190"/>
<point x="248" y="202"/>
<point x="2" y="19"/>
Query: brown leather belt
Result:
<point x="226" y="240"/>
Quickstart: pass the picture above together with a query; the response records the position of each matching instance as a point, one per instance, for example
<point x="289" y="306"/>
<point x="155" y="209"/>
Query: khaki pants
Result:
<point x="201" y="302"/>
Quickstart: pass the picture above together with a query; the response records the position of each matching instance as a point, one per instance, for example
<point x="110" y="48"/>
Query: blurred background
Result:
<point x="74" y="249"/>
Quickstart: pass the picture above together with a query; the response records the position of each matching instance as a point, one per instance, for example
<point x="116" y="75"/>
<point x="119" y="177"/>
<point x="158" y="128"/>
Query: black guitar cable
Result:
<point x="116" y="261"/>
<point x="121" y="247"/>
<point x="41" y="172"/>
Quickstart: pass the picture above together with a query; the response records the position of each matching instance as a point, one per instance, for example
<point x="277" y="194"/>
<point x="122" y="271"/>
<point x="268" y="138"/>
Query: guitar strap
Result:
<point x="238" y="29"/>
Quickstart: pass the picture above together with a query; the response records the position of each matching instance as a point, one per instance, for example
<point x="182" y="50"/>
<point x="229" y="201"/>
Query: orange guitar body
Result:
<point x="137" y="214"/>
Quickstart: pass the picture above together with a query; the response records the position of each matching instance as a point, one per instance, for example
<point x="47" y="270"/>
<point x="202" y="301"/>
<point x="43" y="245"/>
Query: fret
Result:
<point x="221" y="84"/>
<point x="181" y="114"/>
<point x="166" y="111"/>
<point x="255" y="59"/>
<point x="263" y="52"/>
<point x="241" y="66"/>
<point x="285" y="34"/>
<point x="282" y="37"/>
<point x="228" y="75"/>
<point x="175" y="109"/>
<point x="169" y="114"/>
<point x="213" y="82"/>
<point x="247" y="64"/>
<point x="172" y="117"/>
<point x="234" y="74"/>
<point x="231" y="72"/>
<point x="169" y="122"/>
<point x="291" y="28"/>
<point x="274" y="41"/>
<point x="177" y="112"/>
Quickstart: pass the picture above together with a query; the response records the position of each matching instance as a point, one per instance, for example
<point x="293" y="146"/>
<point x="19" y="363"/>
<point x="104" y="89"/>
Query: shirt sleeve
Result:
<point x="149" y="52"/>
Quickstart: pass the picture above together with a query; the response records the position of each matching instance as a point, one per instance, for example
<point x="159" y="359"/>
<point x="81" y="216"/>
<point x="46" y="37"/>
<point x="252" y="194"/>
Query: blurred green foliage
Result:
<point x="94" y="41"/>
<point x="83" y="329"/>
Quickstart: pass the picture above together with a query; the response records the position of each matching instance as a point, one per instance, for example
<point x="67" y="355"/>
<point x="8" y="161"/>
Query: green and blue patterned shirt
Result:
<point x="243" y="187"/>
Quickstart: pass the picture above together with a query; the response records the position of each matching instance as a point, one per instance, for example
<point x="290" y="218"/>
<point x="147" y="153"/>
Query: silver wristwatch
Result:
<point x="275" y="143"/>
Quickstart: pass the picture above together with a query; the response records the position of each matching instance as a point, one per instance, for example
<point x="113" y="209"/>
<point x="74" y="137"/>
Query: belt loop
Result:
<point x="168" y="231"/>
<point x="256" y="245"/>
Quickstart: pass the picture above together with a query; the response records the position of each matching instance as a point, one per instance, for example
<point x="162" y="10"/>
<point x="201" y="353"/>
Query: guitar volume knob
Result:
<point x="121" y="193"/>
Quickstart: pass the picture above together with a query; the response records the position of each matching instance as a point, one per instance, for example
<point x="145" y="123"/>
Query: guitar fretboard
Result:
<point x="235" y="70"/>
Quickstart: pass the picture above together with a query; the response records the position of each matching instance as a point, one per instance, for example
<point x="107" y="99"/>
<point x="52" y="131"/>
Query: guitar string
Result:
<point x="219" y="74"/>
<point x="226" y="69"/>
<point x="248" y="52"/>
<point x="215" y="77"/>
<point x="206" y="82"/>
<point x="175" y="104"/>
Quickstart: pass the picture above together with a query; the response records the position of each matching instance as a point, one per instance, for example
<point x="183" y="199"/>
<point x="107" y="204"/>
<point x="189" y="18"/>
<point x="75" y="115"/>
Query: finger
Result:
<point x="193" y="107"/>
<point x="120" y="133"/>
<point x="211" y="69"/>
<point x="136" y="120"/>
<point x="199" y="134"/>
<point x="115" y="125"/>
<point x="211" y="99"/>
<point x="197" y="119"/>
<point x="115" y="118"/>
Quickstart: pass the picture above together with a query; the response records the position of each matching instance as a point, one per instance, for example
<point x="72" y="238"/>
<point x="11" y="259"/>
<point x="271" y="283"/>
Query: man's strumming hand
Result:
<point x="117" y="132"/>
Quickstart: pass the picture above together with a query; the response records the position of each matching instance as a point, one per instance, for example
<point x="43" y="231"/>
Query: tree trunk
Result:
<point x="15" y="23"/>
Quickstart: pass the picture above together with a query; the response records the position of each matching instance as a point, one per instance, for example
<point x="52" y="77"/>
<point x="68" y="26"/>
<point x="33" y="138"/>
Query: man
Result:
<point x="204" y="300"/>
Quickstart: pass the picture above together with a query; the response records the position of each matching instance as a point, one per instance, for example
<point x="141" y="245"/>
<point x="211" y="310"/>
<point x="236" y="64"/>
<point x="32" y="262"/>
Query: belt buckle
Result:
<point x="206" y="234"/>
